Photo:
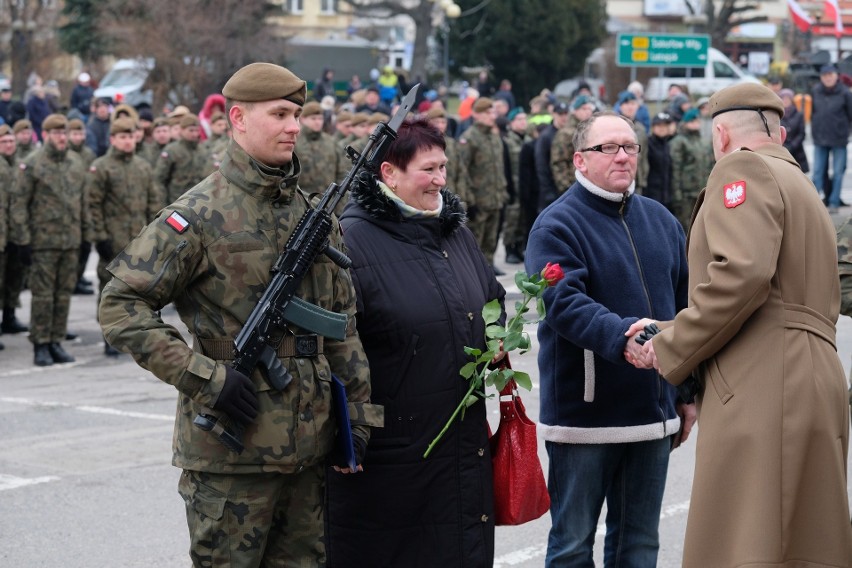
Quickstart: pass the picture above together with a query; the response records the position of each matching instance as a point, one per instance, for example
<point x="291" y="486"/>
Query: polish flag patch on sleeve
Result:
<point x="177" y="222"/>
<point x="734" y="194"/>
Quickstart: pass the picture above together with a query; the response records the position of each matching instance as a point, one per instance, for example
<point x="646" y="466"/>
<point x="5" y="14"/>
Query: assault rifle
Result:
<point x="256" y="344"/>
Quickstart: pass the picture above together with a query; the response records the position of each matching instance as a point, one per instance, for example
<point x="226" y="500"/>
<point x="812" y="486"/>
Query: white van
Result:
<point x="127" y="79"/>
<point x="718" y="73"/>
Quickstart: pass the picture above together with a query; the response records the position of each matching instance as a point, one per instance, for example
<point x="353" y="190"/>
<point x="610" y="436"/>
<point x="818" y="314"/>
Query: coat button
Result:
<point x="480" y="452"/>
<point x="484" y="518"/>
<point x="445" y="254"/>
<point x="470" y="316"/>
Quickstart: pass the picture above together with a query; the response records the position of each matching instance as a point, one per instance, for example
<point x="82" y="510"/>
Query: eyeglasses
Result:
<point x="629" y="149"/>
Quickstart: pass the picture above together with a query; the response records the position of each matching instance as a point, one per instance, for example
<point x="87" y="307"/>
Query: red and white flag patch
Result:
<point x="177" y="222"/>
<point x="734" y="194"/>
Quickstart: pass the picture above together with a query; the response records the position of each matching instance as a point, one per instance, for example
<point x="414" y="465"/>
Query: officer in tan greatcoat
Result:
<point x="770" y="472"/>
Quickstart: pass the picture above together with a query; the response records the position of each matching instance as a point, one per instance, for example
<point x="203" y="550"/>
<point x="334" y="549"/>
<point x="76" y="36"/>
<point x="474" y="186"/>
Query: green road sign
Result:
<point x="657" y="50"/>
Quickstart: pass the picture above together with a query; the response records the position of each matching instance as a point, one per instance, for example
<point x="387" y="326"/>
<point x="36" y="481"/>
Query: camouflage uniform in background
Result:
<point x="6" y="180"/>
<point x="122" y="197"/>
<point x="483" y="185"/>
<point x="210" y="254"/>
<point x="181" y="166"/>
<point x="562" y="156"/>
<point x="453" y="163"/>
<point x="12" y="271"/>
<point x="692" y="161"/>
<point x="24" y="150"/>
<point x="642" y="159"/>
<point x="47" y="214"/>
<point x="151" y="152"/>
<point x="844" y="265"/>
<point x="514" y="225"/>
<point x="87" y="156"/>
<point x="322" y="163"/>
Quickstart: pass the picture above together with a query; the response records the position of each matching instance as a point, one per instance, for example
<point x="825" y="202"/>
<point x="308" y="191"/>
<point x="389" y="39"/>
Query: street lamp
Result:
<point x="447" y="10"/>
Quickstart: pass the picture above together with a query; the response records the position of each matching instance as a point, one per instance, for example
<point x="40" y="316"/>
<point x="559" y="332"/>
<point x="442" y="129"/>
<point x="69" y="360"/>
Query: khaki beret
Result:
<point x="125" y="110"/>
<point x="218" y="115"/>
<point x="22" y="124"/>
<point x="311" y="108"/>
<point x="344" y="116"/>
<point x="54" y="122"/>
<point x="746" y="96"/>
<point x="161" y="121"/>
<point x="378" y="117"/>
<point x="76" y="124"/>
<point x="265" y="82"/>
<point x="179" y="110"/>
<point x="188" y="120"/>
<point x="4" y="129"/>
<point x="174" y="120"/>
<point x="122" y="124"/>
<point x="482" y="104"/>
<point x="435" y="112"/>
<point x="360" y="118"/>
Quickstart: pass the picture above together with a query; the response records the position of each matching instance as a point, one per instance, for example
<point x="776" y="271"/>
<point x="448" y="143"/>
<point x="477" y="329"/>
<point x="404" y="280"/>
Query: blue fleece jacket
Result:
<point x="623" y="260"/>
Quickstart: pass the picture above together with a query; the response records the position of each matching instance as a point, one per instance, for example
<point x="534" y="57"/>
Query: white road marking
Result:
<point x="12" y="482"/>
<point x="523" y="555"/>
<point x="92" y="409"/>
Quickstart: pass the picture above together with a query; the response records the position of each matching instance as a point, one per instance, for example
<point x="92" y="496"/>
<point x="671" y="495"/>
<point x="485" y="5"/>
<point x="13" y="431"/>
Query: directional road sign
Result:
<point x="657" y="50"/>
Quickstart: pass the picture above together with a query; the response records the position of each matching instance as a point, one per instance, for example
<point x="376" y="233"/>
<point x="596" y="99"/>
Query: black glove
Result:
<point x="647" y="334"/>
<point x="338" y="458"/>
<point x="104" y="249"/>
<point x="472" y="212"/>
<point x="11" y="249"/>
<point x="25" y="255"/>
<point x="85" y="249"/>
<point x="237" y="399"/>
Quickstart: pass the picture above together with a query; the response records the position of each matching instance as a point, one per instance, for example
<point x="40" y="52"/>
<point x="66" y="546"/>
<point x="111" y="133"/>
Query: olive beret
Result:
<point x="174" y="120"/>
<point x="161" y="121"/>
<point x="378" y="117"/>
<point x="360" y="118"/>
<point x="54" y="122"/>
<point x="746" y="96"/>
<point x="435" y="112"/>
<point x="482" y="104"/>
<point x="125" y="109"/>
<point x="311" y="108"/>
<point x="76" y="124"/>
<point x="188" y="120"/>
<point x="21" y="125"/>
<point x="265" y="82"/>
<point x="122" y="124"/>
<point x="344" y="116"/>
<point x="218" y="115"/>
<point x="4" y="129"/>
<point x="179" y="110"/>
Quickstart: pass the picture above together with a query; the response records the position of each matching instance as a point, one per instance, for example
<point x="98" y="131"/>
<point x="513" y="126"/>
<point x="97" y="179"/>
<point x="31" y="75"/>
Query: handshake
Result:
<point x="639" y="350"/>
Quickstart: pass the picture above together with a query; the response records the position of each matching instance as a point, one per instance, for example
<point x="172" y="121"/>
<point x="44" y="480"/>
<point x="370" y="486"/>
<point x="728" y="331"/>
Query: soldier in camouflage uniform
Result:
<point x="12" y="272"/>
<point x="210" y="253"/>
<point x="692" y="161"/>
<point x="23" y="130"/>
<point x="46" y="220"/>
<point x="161" y="134"/>
<point x="562" y="149"/>
<point x="360" y="131"/>
<point x="320" y="158"/>
<point x="437" y="117"/>
<point x="482" y="184"/>
<point x="628" y="105"/>
<point x="342" y="126"/>
<point x="514" y="225"/>
<point x="217" y="141"/>
<point x="181" y="165"/>
<point x="121" y="197"/>
<point x="844" y="264"/>
<point x="7" y="144"/>
<point x="77" y="145"/>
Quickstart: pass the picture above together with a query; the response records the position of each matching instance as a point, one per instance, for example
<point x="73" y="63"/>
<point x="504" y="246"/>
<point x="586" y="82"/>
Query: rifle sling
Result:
<point x="291" y="346"/>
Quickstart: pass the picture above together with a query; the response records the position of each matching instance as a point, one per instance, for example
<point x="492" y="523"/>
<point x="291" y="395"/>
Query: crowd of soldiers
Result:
<point x="98" y="183"/>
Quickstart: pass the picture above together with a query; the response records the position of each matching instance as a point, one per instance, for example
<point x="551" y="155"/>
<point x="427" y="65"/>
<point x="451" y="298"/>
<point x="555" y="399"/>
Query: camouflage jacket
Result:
<point x="150" y="152"/>
<point x="210" y="253"/>
<point x="562" y="156"/>
<point x="453" y="164"/>
<point x="87" y="155"/>
<point x="22" y="151"/>
<point x="181" y="166"/>
<point x="514" y="141"/>
<point x="692" y="161"/>
<point x="482" y="179"/>
<point x="321" y="160"/>
<point x="121" y="197"/>
<point x="844" y="264"/>
<point x="642" y="158"/>
<point x="7" y="178"/>
<point x="47" y="204"/>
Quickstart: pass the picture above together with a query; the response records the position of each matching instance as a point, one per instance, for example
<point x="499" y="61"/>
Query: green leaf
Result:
<point x="470" y="400"/>
<point x="525" y="342"/>
<point x="520" y="277"/>
<point x="473" y="351"/>
<point x="491" y="311"/>
<point x="523" y="380"/>
<point x="512" y="341"/>
<point x="486" y="356"/>
<point x="493" y="346"/>
<point x="503" y="378"/>
<point x="491" y="377"/>
<point x="495" y="332"/>
<point x="530" y="288"/>
<point x="539" y="306"/>
<point x="468" y="370"/>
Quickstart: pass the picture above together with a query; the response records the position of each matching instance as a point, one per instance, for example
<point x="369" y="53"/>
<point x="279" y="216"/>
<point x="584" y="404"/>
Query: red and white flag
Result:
<point x="801" y="19"/>
<point x="832" y="10"/>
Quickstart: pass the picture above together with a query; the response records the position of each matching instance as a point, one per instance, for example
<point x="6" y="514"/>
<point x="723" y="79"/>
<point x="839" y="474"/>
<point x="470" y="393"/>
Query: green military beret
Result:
<point x="265" y="82"/>
<point x="54" y="122"/>
<point x="378" y="117"/>
<point x="311" y="108"/>
<point x="188" y="120"/>
<point x="746" y="96"/>
<point x="4" y="129"/>
<point x="218" y="115"/>
<point x="435" y="112"/>
<point x="76" y="124"/>
<point x="22" y="124"/>
<point x="360" y="118"/>
<point x="122" y="124"/>
<point x="482" y="104"/>
<point x="344" y="116"/>
<point x="161" y="121"/>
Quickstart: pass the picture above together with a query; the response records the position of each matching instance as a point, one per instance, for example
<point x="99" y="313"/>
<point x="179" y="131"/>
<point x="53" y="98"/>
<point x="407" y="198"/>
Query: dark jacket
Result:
<point x="97" y="135"/>
<point x="37" y="110"/>
<point x="832" y="112"/>
<point x="623" y="260"/>
<point x="421" y="285"/>
<point x="547" y="190"/>
<point x="659" y="186"/>
<point x="81" y="99"/>
<point x="794" y="122"/>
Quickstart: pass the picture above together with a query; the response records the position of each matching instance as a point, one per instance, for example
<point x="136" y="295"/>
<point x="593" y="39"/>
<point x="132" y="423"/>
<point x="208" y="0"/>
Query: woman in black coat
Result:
<point x="421" y="283"/>
<point x="794" y="122"/>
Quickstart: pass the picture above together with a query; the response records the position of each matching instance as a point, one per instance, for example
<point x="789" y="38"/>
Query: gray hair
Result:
<point x="581" y="134"/>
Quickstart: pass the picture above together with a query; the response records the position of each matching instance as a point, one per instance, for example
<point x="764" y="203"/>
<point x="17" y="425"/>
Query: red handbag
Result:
<point x="520" y="492"/>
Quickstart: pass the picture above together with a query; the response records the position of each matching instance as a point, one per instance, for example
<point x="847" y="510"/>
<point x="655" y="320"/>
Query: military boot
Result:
<point x="58" y="354"/>
<point x="513" y="255"/>
<point x="42" y="355"/>
<point x="109" y="350"/>
<point x="10" y="322"/>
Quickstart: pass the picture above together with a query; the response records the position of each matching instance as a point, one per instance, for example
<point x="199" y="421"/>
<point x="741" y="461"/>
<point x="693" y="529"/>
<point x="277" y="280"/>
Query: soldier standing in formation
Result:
<point x="161" y="134"/>
<point x="121" y="196"/>
<point x="514" y="226"/>
<point x="181" y="164"/>
<point x="628" y="107"/>
<point x="11" y="270"/>
<point x="692" y="162"/>
<point x="46" y="221"/>
<point x="77" y="145"/>
<point x="482" y="183"/>
<point x="6" y="176"/>
<point x="210" y="254"/>
<point x="321" y="160"/>
<point x="342" y="126"/>
<point x="437" y="117"/>
<point x="562" y="148"/>
<point x="23" y="130"/>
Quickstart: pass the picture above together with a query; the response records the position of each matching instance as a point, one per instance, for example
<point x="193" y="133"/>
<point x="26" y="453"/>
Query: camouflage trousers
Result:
<point x="52" y="278"/>
<point x="514" y="227"/>
<point x="486" y="229"/>
<point x="682" y="209"/>
<point x="253" y="520"/>
<point x="13" y="280"/>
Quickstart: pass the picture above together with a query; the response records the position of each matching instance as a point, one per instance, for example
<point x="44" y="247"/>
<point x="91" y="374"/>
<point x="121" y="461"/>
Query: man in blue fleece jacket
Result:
<point x="608" y="427"/>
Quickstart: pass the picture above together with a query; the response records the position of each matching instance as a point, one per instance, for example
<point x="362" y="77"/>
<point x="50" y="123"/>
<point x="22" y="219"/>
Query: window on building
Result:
<point x="328" y="6"/>
<point x="295" y="6"/>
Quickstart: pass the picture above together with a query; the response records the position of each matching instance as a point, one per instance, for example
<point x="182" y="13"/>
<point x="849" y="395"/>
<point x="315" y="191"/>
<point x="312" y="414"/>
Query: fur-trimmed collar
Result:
<point x="377" y="205"/>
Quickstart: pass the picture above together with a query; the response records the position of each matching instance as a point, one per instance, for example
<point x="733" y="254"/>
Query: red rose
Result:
<point x="552" y="273"/>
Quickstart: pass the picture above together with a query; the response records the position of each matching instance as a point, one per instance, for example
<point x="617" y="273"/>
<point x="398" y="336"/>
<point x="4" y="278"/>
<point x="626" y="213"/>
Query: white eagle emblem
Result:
<point x="735" y="194"/>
